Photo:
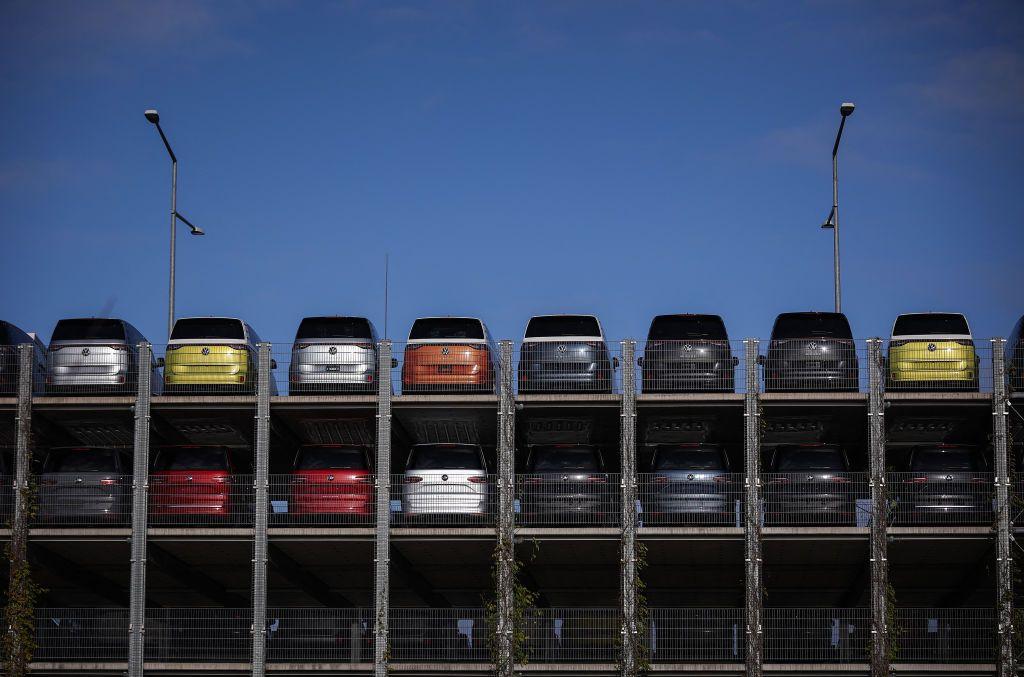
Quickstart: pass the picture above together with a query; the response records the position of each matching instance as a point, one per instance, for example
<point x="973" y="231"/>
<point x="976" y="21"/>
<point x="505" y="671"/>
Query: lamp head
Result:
<point x="153" y="116"/>
<point x="196" y="230"/>
<point x="846" y="109"/>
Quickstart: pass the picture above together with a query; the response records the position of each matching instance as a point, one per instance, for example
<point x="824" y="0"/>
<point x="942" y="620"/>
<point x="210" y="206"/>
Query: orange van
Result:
<point x="448" y="355"/>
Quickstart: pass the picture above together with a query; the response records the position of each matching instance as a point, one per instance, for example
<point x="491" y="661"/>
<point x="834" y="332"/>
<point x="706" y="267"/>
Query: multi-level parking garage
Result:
<point x="767" y="581"/>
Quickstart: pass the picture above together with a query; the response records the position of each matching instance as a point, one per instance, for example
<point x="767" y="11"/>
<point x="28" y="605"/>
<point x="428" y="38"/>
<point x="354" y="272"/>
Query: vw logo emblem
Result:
<point x="206" y="350"/>
<point x="562" y="347"/>
<point x="949" y="478"/>
<point x="444" y="478"/>
<point x="931" y="347"/>
<point x="690" y="476"/>
<point x="333" y="350"/>
<point x="565" y="478"/>
<point x="444" y="351"/>
<point x="810" y="478"/>
<point x="188" y="479"/>
<point x="812" y="345"/>
<point x="330" y="478"/>
<point x="687" y="347"/>
<point x="85" y="352"/>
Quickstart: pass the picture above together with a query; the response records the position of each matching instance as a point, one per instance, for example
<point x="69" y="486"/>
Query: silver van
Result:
<point x="95" y="354"/>
<point x="445" y="479"/>
<point x="333" y="354"/>
<point x="84" y="485"/>
<point x="10" y="338"/>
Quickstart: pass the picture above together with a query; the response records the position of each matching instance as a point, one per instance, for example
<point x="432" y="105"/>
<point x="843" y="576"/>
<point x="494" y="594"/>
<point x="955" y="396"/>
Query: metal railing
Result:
<point x="705" y="635"/>
<point x="568" y="499"/>
<point x="439" y="635"/>
<point x="201" y="499"/>
<point x="816" y="499"/>
<point x="965" y="635"/>
<point x="816" y="635"/>
<point x="690" y="498"/>
<point x="9" y="371"/>
<point x="6" y="497"/>
<point x="83" y="499"/>
<point x="696" y="366"/>
<point x="572" y="635"/>
<point x="953" y="498"/>
<point x="318" y="635"/>
<point x="443" y="498"/>
<point x="73" y="635"/>
<point x="201" y="635"/>
<point x="324" y="498"/>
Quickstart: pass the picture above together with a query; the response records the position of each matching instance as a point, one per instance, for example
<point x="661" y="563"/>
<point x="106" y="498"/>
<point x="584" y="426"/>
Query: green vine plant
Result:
<point x="19" y="640"/>
<point x="523" y="600"/>
<point x="637" y="642"/>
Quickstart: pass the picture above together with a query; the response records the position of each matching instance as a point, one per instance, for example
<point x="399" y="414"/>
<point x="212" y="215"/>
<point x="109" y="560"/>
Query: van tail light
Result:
<point x="109" y="482"/>
<point x="298" y="479"/>
<point x="238" y="346"/>
<point x="157" y="480"/>
<point x="597" y="479"/>
<point x="532" y="480"/>
<point x="363" y="479"/>
<point x="478" y="480"/>
<point x="364" y="346"/>
<point x="841" y="480"/>
<point x="413" y="479"/>
<point x="979" y="480"/>
<point x="48" y="483"/>
<point x="965" y="342"/>
<point x="413" y="346"/>
<point x="172" y="347"/>
<point x="778" y="480"/>
<point x="118" y="346"/>
<point x="916" y="480"/>
<point x="221" y="479"/>
<point x="897" y="344"/>
<point x="661" y="480"/>
<point x="721" y="479"/>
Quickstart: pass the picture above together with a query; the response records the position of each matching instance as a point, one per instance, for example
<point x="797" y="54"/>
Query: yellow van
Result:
<point x="211" y="354"/>
<point x="932" y="351"/>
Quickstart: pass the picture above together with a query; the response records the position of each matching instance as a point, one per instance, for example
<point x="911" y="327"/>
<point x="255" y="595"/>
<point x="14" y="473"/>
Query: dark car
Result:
<point x="10" y="338"/>
<point x="83" y="485"/>
<point x="567" y="484"/>
<point x="809" y="484"/>
<point x="688" y="353"/>
<point x="564" y="354"/>
<point x="946" y="483"/>
<point x="811" y="351"/>
<point x="690" y="483"/>
<point x="1015" y="358"/>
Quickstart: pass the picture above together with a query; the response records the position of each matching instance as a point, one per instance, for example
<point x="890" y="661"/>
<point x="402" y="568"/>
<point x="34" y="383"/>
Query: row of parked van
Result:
<point x="559" y="353"/>
<point x="810" y="483"/>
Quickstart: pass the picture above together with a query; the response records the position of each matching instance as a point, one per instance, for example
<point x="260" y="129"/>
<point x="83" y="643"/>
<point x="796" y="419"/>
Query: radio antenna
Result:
<point x="385" y="295"/>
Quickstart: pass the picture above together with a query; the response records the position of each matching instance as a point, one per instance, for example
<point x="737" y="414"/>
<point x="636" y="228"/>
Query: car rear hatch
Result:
<point x="443" y="347"/>
<point x="565" y="477"/>
<point x="689" y="471"/>
<point x="809" y="477"/>
<point x="445" y="477"/>
<point x="947" y="478"/>
<point x="80" y="482"/>
<point x="208" y="347"/>
<point x="191" y="478"/>
<point x="327" y="345"/>
<point x="687" y="344"/>
<point x="87" y="350"/>
<point x="815" y="342"/>
<point x="331" y="470"/>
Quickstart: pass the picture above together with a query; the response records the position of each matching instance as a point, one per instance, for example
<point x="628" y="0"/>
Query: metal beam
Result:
<point x="628" y="573"/>
<point x="261" y="486"/>
<point x="140" y="514"/>
<point x="1004" y="561"/>
<point x="194" y="578"/>
<point x="879" y="545"/>
<point x="754" y="590"/>
<point x="18" y="552"/>
<point x="382" y="540"/>
<point x="305" y="581"/>
<point x="505" y="527"/>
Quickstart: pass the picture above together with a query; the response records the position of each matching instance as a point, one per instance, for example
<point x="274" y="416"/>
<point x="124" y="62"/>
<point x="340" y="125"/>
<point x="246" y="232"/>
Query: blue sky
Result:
<point x="624" y="159"/>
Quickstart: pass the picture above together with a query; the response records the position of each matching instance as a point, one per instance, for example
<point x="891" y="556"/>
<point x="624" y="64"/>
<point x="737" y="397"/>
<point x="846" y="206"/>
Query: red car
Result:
<point x="198" y="480"/>
<point x="332" y="479"/>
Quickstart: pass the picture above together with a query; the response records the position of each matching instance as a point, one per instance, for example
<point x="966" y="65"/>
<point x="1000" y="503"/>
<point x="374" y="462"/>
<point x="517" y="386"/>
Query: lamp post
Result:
<point x="154" y="117"/>
<point x="845" y="110"/>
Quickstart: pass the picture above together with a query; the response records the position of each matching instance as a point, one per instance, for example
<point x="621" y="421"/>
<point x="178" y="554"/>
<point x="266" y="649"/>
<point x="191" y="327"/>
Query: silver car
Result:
<point x="95" y="355"/>
<point x="85" y="485"/>
<point x="334" y="354"/>
<point x="445" y="479"/>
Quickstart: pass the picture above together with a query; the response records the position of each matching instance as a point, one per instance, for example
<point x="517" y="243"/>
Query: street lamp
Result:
<point x="845" y="110"/>
<point x="154" y="117"/>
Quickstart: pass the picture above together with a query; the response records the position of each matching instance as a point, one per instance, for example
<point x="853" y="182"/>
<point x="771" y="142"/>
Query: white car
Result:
<point x="445" y="479"/>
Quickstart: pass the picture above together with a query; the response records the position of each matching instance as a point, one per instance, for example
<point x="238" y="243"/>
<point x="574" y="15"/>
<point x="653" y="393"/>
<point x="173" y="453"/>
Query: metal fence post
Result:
<point x="382" y="542"/>
<point x="1004" y="558"/>
<point x="260" y="510"/>
<point x="879" y="558"/>
<point x="627" y="442"/>
<point x="22" y="466"/>
<point x="140" y="514"/>
<point x="754" y="593"/>
<point x="506" y="515"/>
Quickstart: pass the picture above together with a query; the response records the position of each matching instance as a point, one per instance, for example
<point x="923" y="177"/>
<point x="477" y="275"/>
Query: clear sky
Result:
<point x="623" y="159"/>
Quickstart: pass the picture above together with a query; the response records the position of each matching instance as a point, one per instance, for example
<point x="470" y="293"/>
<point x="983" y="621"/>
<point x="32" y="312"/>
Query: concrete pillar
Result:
<point x="879" y="514"/>
<point x="505" y="524"/>
<point x="754" y="593"/>
<point x="261" y="507"/>
<point x="140" y="514"/>
<point x="1004" y="557"/>
<point x="382" y="542"/>
<point x="627" y="442"/>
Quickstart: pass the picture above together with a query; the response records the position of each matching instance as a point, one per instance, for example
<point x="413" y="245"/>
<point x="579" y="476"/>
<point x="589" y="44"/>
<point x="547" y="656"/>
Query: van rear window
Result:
<point x="688" y="458"/>
<point x="446" y="328"/>
<point x="930" y="323"/>
<point x="88" y="330"/>
<point x="331" y="458"/>
<point x="684" y="327"/>
<point x="799" y="459"/>
<point x="446" y="457"/>
<point x="81" y="460"/>
<point x="557" y="459"/>
<point x="208" y="328"/>
<point x="811" y="325"/>
<point x="334" y="328"/>
<point x="563" y="325"/>
<point x="941" y="460"/>
<point x="192" y="458"/>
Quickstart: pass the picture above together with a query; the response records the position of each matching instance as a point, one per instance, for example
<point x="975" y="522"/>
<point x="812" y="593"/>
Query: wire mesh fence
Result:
<point x="705" y="635"/>
<point x="443" y="497"/>
<point x="439" y="635"/>
<point x="566" y="366"/>
<point x="571" y="498"/>
<point x="319" y="635"/>
<point x="200" y="498"/>
<point x="691" y="497"/>
<point x="8" y="371"/>
<point x="814" y="365"/>
<point x="6" y="497"/>
<point x="697" y="366"/>
<point x="816" y="499"/>
<point x="206" y="635"/>
<point x="964" y="635"/>
<point x="88" y="498"/>
<point x="74" y="635"/>
<point x="953" y="497"/>
<point x="572" y="635"/>
<point x="333" y="497"/>
<point x="816" y="635"/>
<point x="935" y="364"/>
